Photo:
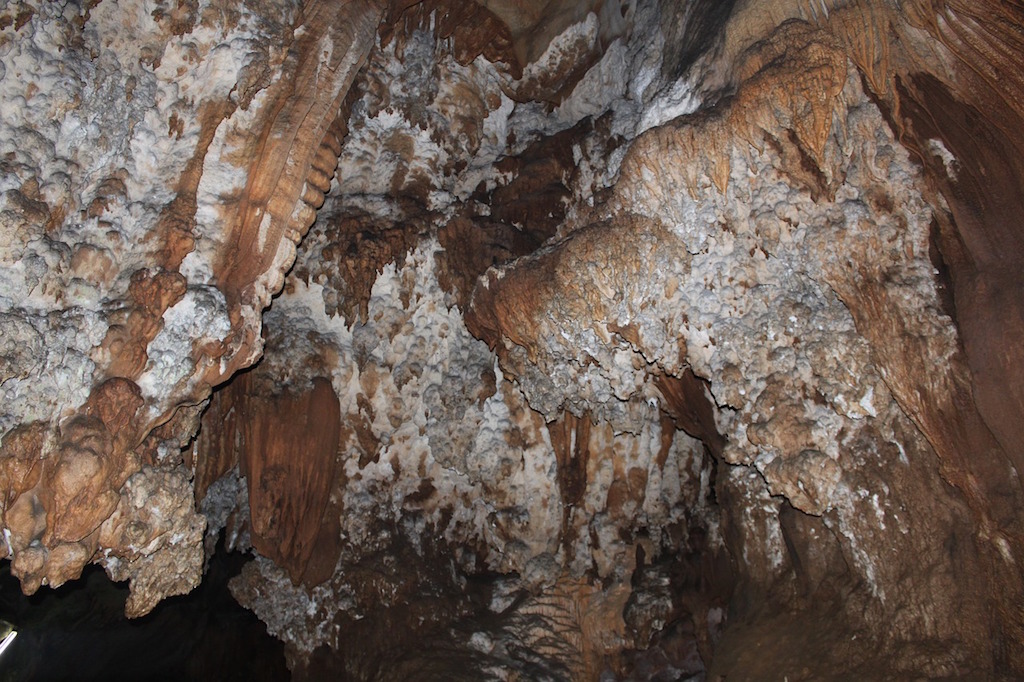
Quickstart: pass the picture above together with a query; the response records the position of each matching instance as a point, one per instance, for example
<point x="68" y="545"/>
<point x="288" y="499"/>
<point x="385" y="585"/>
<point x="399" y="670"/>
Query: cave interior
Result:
<point x="512" y="339"/>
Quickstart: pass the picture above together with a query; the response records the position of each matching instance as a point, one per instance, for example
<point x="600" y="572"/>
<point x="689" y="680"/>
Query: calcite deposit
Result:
<point x="526" y="340"/>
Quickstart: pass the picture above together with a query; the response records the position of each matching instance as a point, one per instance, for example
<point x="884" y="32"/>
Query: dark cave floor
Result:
<point x="79" y="632"/>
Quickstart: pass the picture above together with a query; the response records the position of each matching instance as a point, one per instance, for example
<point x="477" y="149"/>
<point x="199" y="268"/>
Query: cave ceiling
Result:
<point x="557" y="340"/>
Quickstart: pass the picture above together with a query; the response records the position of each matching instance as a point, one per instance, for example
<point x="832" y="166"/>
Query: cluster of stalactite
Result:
<point x="566" y="339"/>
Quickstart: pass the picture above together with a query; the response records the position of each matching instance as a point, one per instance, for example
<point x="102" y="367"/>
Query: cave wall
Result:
<point x="147" y="219"/>
<point x="566" y="293"/>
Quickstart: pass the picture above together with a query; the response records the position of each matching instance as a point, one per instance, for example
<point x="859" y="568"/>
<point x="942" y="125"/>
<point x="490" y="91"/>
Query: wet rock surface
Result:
<point x="620" y="340"/>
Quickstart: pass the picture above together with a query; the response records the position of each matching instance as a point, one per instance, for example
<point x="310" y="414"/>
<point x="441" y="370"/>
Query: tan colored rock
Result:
<point x="739" y="191"/>
<point x="19" y="459"/>
<point x="118" y="177"/>
<point x="81" y="496"/>
<point x="154" y="539"/>
<point x="749" y="307"/>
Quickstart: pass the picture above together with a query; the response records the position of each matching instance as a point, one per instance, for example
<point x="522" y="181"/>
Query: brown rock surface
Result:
<point x="126" y="263"/>
<point x="623" y="340"/>
<point x="287" y="452"/>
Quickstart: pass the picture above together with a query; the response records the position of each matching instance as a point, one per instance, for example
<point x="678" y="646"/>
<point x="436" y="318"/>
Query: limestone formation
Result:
<point x="526" y="340"/>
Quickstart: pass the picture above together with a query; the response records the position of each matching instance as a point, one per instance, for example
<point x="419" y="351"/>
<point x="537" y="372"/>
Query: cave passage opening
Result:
<point x="79" y="631"/>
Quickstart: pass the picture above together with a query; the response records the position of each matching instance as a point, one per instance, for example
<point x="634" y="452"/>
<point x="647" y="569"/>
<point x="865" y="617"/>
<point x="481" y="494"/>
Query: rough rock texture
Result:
<point x="440" y="448"/>
<point x="757" y="258"/>
<point x="146" y="220"/>
<point x="624" y="340"/>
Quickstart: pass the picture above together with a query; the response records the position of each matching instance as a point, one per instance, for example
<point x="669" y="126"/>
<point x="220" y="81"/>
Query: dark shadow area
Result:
<point x="79" y="632"/>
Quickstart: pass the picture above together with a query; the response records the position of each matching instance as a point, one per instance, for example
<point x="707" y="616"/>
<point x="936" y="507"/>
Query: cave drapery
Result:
<point x="526" y="340"/>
